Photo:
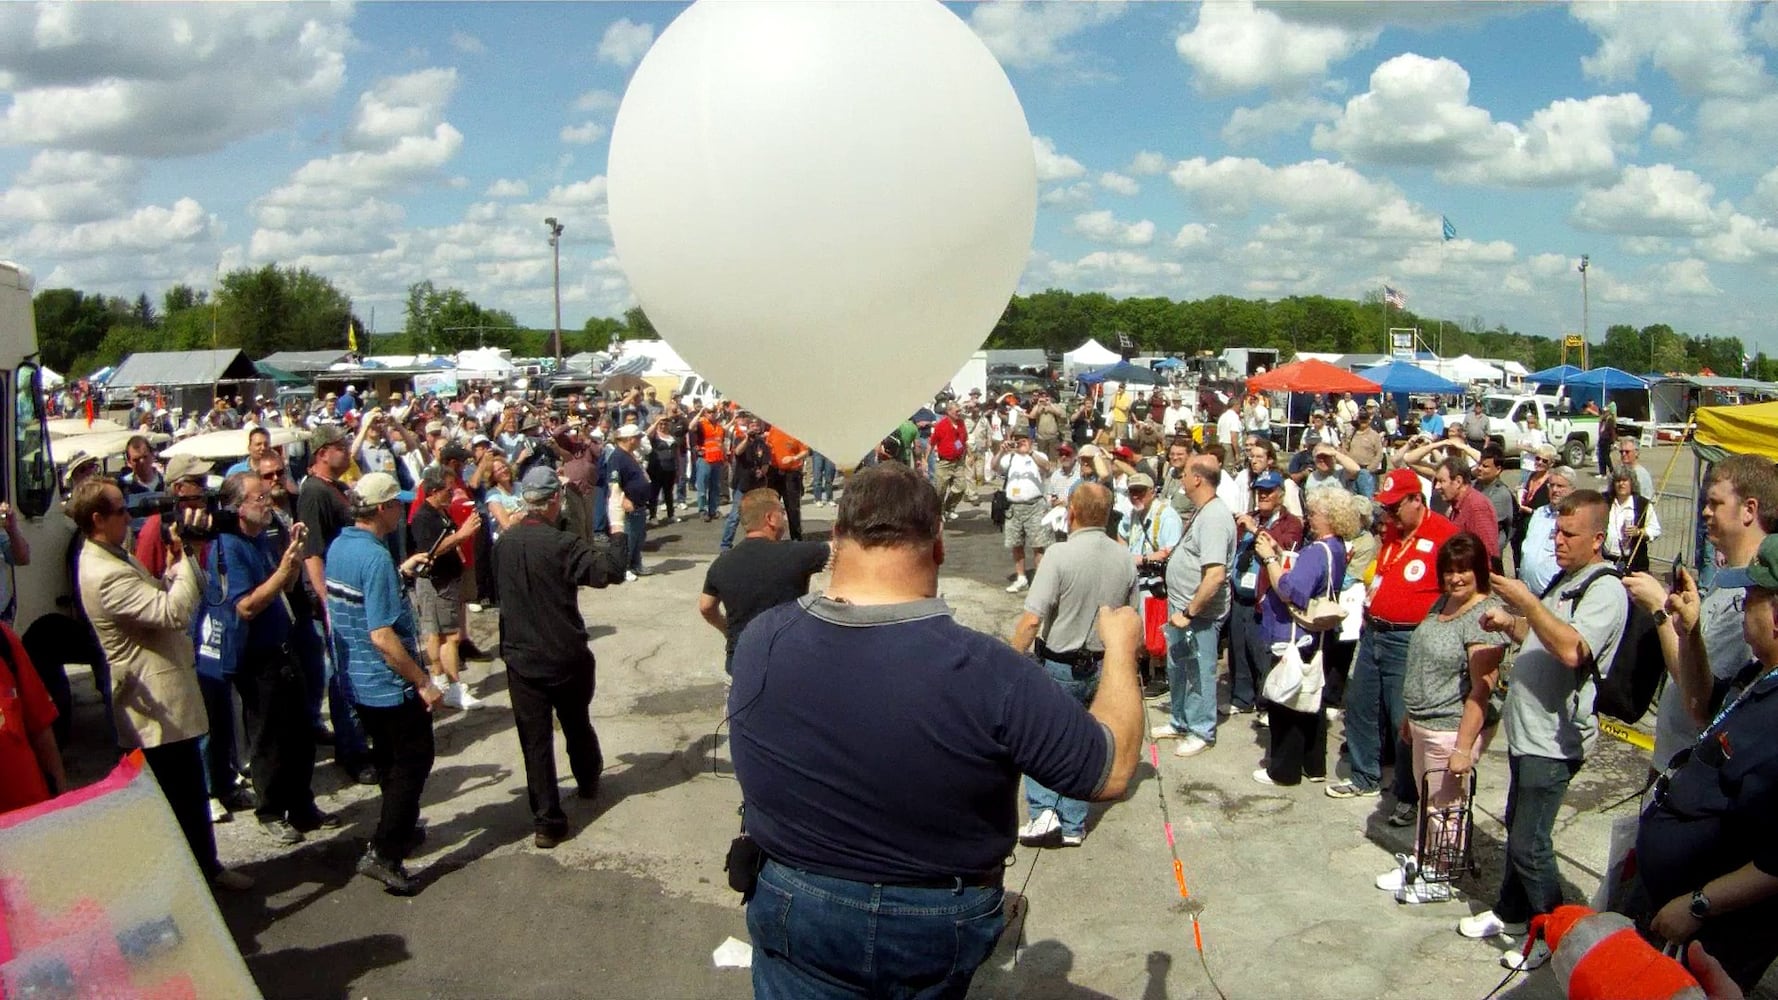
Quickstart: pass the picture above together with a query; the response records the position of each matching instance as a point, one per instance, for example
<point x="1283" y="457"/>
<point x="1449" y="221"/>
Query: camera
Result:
<point x="216" y="522"/>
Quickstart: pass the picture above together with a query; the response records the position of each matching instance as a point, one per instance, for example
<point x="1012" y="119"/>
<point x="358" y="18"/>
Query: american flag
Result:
<point x="1394" y="298"/>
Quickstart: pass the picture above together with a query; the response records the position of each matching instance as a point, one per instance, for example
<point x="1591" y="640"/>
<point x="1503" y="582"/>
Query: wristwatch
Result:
<point x="1660" y="616"/>
<point x="1700" y="905"/>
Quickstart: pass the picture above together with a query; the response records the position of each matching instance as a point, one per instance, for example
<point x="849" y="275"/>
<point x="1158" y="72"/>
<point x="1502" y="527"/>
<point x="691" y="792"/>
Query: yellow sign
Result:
<point x="1636" y="738"/>
<point x="1573" y="342"/>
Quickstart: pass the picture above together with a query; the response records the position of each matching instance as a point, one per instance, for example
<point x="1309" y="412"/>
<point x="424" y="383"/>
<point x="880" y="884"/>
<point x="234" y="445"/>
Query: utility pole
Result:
<point x="555" y="246"/>
<point x="1585" y="317"/>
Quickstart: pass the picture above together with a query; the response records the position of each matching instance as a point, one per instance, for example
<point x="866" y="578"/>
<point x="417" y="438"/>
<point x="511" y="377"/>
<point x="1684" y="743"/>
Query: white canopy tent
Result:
<point x="1464" y="368"/>
<point x="662" y="359"/>
<point x="1091" y="354"/>
<point x="483" y="363"/>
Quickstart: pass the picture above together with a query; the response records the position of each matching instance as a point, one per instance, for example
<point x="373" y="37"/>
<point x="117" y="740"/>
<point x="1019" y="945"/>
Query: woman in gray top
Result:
<point x="1453" y="666"/>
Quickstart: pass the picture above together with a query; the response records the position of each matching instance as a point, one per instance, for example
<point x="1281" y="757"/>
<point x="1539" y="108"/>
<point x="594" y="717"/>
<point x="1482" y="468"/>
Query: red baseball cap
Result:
<point x="1399" y="484"/>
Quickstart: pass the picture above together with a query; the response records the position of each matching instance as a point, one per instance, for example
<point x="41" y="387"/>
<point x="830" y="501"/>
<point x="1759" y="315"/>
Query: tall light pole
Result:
<point x="1585" y="327"/>
<point x="555" y="246"/>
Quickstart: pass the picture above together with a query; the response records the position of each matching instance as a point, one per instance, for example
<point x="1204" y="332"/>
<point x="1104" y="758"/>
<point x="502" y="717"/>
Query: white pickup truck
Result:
<point x="1576" y="438"/>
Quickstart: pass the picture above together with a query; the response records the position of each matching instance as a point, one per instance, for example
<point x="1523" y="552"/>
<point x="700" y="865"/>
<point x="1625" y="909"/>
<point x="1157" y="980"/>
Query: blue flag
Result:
<point x="1450" y="230"/>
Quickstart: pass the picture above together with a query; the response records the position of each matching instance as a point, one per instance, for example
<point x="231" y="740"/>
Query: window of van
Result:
<point x="36" y="472"/>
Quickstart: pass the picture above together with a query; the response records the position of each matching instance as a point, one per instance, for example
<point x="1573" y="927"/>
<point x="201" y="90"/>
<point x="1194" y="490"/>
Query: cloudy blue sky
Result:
<point x="1258" y="150"/>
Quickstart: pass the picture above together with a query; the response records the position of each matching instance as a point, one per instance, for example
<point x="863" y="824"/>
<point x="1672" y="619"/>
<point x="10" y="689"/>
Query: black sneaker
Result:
<point x="392" y="874"/>
<point x="547" y="838"/>
<point x="588" y="791"/>
<point x="315" y="819"/>
<point x="239" y="799"/>
<point x="417" y="838"/>
<point x="323" y="736"/>
<point x="280" y="831"/>
<point x="363" y="774"/>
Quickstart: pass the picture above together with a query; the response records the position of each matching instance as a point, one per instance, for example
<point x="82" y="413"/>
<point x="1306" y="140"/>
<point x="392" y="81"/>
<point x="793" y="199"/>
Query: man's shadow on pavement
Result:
<point x="647" y="773"/>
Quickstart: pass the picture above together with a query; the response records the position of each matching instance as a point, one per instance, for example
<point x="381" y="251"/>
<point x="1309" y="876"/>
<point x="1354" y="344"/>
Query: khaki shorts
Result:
<point x="440" y="609"/>
<point x="1024" y="525"/>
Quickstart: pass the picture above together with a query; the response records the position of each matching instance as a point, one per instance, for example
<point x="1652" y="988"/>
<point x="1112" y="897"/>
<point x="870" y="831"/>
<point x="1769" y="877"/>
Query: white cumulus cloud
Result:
<point x="584" y="134"/>
<point x="1051" y="165"/>
<point x="165" y="79"/>
<point x="1068" y="195"/>
<point x="1689" y="277"/>
<point x="625" y="41"/>
<point x="1147" y="164"/>
<point x="1661" y="200"/>
<point x="1417" y="112"/>
<point x="596" y="101"/>
<point x="400" y="106"/>
<point x="1280" y="117"/>
<point x="63" y="187"/>
<point x="1118" y="183"/>
<point x="467" y="43"/>
<point x="1666" y="135"/>
<point x="508" y="188"/>
<point x="1027" y="35"/>
<point x="1102" y="227"/>
<point x="1236" y="47"/>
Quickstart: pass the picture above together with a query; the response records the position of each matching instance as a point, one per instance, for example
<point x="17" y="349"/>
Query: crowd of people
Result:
<point x="1379" y="573"/>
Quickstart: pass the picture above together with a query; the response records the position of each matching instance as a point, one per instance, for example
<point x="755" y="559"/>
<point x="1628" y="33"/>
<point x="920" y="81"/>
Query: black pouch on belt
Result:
<point x="744" y="861"/>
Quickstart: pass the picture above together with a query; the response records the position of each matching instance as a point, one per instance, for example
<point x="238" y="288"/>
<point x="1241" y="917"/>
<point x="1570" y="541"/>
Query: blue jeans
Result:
<point x="1373" y="703"/>
<point x="1072" y="812"/>
<point x="815" y="937"/>
<point x="1191" y="676"/>
<point x="635" y="533"/>
<point x="1250" y="655"/>
<point x="222" y="766"/>
<point x="821" y="473"/>
<point x="733" y="522"/>
<point x="1534" y="795"/>
<point x="710" y="486"/>
<point x="1365" y="483"/>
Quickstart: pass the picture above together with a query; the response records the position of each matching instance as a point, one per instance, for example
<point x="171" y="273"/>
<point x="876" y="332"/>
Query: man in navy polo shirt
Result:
<point x="881" y="762"/>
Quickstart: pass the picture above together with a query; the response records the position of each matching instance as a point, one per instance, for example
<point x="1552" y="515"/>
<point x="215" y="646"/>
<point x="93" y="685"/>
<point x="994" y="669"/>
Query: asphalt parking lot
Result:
<point x="634" y="903"/>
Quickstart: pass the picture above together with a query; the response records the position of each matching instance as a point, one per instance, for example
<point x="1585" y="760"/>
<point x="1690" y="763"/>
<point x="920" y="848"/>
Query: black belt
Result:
<point x="1383" y="626"/>
<point x="1079" y="658"/>
<point x="987" y="880"/>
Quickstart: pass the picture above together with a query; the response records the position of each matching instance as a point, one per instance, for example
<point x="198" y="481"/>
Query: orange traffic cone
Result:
<point x="1599" y="956"/>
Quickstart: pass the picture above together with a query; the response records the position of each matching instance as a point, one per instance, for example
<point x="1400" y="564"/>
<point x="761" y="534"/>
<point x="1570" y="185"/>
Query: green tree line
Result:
<point x="272" y="308"/>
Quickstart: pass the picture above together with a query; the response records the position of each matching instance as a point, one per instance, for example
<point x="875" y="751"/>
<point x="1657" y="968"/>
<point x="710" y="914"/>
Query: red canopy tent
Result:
<point x="1310" y="376"/>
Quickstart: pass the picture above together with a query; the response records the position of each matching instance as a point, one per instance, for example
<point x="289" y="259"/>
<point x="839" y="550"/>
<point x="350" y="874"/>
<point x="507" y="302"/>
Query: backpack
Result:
<point x="1627" y="685"/>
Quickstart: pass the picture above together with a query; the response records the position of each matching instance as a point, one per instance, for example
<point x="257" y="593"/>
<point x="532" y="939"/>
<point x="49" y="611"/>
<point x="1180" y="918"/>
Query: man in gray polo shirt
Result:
<point x="1076" y="578"/>
<point x="1566" y="639"/>
<point x="1197" y="603"/>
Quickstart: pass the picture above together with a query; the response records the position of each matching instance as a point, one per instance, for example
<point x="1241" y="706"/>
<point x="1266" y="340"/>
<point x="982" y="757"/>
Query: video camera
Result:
<point x="215" y="522"/>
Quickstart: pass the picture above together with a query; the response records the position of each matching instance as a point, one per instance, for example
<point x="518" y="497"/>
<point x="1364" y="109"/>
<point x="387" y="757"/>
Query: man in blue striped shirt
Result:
<point x="376" y="643"/>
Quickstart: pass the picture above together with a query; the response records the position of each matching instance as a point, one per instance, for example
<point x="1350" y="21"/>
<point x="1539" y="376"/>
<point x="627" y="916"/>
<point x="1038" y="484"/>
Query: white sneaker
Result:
<point x="1040" y="828"/>
<point x="629" y="576"/>
<point x="1515" y="959"/>
<point x="1073" y="839"/>
<point x="1165" y="731"/>
<point x="1020" y="584"/>
<point x="1263" y="777"/>
<point x="952" y="516"/>
<point x="474" y="607"/>
<point x="1421" y="891"/>
<point x="1393" y="879"/>
<point x="1486" y="925"/>
<point x="1262" y="720"/>
<point x="1191" y="746"/>
<point x="456" y="695"/>
<point x="218" y="812"/>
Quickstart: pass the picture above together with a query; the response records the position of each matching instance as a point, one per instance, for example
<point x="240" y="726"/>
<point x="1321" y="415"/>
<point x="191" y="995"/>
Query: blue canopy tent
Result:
<point x="1167" y="363"/>
<point x="1551" y="377"/>
<point x="1398" y="379"/>
<point x="1123" y="371"/>
<point x="1596" y="386"/>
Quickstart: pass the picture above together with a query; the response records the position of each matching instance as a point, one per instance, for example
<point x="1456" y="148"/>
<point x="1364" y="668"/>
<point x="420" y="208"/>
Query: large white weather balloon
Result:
<point x="822" y="206"/>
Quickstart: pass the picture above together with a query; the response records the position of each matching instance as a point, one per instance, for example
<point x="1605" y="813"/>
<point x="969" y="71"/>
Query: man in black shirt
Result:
<point x="752" y="467"/>
<point x="761" y="572"/>
<point x="549" y="666"/>
<point x="324" y="511"/>
<point x="438" y="596"/>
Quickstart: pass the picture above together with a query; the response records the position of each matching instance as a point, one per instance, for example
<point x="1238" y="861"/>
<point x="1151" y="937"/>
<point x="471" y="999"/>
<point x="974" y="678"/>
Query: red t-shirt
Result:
<point x="1406" y="584"/>
<point x="459" y="509"/>
<point x="1475" y="513"/>
<point x="25" y="711"/>
<point x="949" y="438"/>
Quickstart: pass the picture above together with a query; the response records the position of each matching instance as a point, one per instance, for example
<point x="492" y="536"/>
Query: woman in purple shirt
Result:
<point x="1299" y="733"/>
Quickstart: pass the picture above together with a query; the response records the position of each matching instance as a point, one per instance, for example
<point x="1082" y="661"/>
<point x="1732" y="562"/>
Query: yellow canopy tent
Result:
<point x="1736" y="430"/>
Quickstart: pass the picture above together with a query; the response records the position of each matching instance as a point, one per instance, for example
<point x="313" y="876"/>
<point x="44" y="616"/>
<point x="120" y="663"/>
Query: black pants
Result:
<point x="661" y="484"/>
<point x="401" y="748"/>
<point x="790" y="489"/>
<point x="1298" y="745"/>
<point x="1337" y="662"/>
<point x="179" y="769"/>
<point x="280" y="740"/>
<point x="570" y="700"/>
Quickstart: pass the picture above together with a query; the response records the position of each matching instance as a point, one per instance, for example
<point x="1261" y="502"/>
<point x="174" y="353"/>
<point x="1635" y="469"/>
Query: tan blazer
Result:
<point x="141" y="623"/>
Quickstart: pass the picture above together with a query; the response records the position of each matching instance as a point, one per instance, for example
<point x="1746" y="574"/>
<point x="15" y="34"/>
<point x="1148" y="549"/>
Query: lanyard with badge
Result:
<point x="1712" y="747"/>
